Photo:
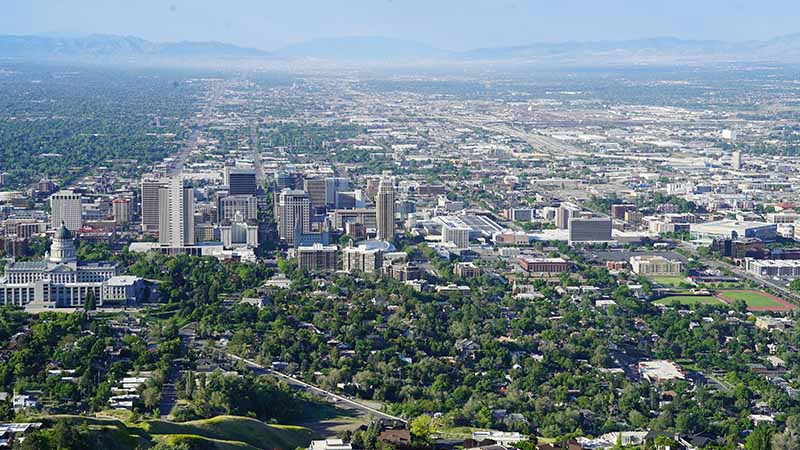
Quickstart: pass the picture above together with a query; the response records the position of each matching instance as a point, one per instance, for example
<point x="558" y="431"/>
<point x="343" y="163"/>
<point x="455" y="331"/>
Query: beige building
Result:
<point x="655" y="265"/>
<point x="385" y="209"/>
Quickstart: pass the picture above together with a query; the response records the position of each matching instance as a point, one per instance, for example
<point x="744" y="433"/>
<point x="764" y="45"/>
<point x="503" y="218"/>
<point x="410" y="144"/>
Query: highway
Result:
<point x="316" y="390"/>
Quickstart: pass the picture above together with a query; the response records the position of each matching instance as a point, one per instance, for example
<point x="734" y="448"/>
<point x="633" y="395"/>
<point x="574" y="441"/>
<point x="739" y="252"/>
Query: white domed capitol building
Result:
<point x="60" y="280"/>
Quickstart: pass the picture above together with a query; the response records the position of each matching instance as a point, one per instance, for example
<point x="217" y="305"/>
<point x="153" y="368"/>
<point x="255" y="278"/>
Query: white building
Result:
<point x="456" y="235"/>
<point x="733" y="229"/>
<point x="501" y="437"/>
<point x="329" y="444"/>
<point x="150" y="198"/>
<point x="61" y="280"/>
<point x="659" y="371"/>
<point x="782" y="268"/>
<point x="65" y="207"/>
<point x="176" y="214"/>
<point x="239" y="233"/>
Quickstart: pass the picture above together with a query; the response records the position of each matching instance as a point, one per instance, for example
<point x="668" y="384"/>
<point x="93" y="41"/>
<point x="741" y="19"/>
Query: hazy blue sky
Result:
<point x="449" y="24"/>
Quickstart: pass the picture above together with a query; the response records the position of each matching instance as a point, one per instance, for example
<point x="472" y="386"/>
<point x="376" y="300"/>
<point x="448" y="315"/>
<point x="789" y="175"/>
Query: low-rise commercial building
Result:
<point x="784" y="268"/>
<point x="733" y="229"/>
<point x="660" y="371"/>
<point x="545" y="266"/>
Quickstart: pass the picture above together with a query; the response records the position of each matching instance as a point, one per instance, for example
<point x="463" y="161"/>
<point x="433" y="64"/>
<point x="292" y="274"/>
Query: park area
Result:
<point x="688" y="300"/>
<point x="755" y="300"/>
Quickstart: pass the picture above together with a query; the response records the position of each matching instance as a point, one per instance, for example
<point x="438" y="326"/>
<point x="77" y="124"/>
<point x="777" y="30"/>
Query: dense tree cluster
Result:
<point x="70" y="120"/>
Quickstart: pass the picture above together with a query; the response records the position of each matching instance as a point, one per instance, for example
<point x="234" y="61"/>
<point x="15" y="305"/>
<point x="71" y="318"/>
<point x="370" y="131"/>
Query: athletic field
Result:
<point x="755" y="300"/>
<point x="688" y="300"/>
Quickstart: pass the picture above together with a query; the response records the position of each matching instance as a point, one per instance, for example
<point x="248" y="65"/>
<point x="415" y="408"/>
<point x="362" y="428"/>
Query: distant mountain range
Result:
<point x="112" y="46"/>
<point x="662" y="50"/>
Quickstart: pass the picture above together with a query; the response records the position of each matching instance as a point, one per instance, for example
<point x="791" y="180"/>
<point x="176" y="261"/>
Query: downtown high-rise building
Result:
<point x="121" y="209"/>
<point x="176" y="218"/>
<point x="288" y="180"/>
<point x="241" y="181"/>
<point x="564" y="213"/>
<point x="149" y="200"/>
<point x="334" y="185"/>
<point x="294" y="212"/>
<point x="385" y="209"/>
<point x="65" y="207"/>
<point x="316" y="191"/>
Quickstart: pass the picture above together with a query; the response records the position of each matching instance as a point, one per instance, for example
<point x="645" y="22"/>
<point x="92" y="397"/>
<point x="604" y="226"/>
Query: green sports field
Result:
<point x="754" y="299"/>
<point x="688" y="300"/>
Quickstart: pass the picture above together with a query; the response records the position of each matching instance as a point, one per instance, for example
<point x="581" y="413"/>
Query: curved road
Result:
<point x="314" y="389"/>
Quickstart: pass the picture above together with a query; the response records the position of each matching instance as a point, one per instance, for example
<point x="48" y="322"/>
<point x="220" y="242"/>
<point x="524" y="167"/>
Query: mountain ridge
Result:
<point x="96" y="45"/>
<point x="354" y="49"/>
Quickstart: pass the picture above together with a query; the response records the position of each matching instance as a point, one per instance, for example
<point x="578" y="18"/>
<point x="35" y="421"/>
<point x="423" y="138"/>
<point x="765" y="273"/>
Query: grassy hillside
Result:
<point x="242" y="429"/>
<point x="202" y="443"/>
<point x="218" y="433"/>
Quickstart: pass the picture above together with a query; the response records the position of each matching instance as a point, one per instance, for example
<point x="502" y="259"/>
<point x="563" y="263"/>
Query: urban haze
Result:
<point x="399" y="225"/>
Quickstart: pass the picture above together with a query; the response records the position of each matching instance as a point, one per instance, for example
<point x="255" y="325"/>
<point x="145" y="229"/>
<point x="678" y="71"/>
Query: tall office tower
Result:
<point x="736" y="160"/>
<point x="65" y="207"/>
<point x="565" y="212"/>
<point x="316" y="191"/>
<point x="294" y="211"/>
<point x="121" y="208"/>
<point x="241" y="181"/>
<point x="385" y="209"/>
<point x="288" y="180"/>
<point x="334" y="185"/>
<point x="176" y="218"/>
<point x="149" y="198"/>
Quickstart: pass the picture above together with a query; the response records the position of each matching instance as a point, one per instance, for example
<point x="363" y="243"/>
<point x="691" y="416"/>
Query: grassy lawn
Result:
<point x="752" y="298"/>
<point x="231" y="428"/>
<point x="218" y="433"/>
<point x="688" y="300"/>
<point x="670" y="281"/>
